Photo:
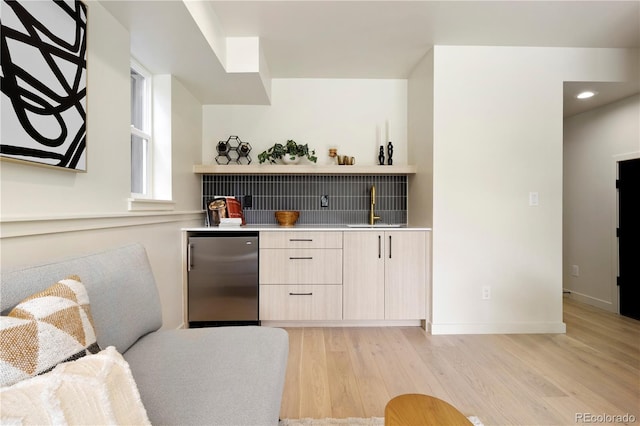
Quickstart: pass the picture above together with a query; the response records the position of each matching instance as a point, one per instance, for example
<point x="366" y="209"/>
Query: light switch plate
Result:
<point x="533" y="199"/>
<point x="486" y="292"/>
<point x="575" y="270"/>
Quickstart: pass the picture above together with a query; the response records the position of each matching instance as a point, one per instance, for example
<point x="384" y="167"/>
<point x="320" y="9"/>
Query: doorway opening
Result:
<point x="627" y="210"/>
<point x="593" y="144"/>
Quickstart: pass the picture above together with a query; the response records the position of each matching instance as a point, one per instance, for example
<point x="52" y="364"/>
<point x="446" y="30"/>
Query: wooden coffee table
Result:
<point x="421" y="410"/>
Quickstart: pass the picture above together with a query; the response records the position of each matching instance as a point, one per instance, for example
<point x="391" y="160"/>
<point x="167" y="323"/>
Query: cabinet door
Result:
<point x="363" y="275"/>
<point x="405" y="274"/>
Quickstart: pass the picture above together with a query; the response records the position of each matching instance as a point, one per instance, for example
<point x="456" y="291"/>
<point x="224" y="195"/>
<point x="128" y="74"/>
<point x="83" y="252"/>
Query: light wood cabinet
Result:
<point x="300" y="240"/>
<point x="301" y="266"/>
<point x="300" y="302"/>
<point x="405" y="272"/>
<point x="300" y="275"/>
<point x="363" y="275"/>
<point x="385" y="275"/>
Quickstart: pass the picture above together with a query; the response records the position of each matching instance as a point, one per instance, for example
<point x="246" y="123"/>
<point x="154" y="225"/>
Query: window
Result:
<point x="141" y="141"/>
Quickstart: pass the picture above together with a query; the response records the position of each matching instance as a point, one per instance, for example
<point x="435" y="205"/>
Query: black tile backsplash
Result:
<point x="348" y="196"/>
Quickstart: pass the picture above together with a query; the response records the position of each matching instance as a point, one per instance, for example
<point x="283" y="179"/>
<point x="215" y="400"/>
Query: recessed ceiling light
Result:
<point x="586" y="94"/>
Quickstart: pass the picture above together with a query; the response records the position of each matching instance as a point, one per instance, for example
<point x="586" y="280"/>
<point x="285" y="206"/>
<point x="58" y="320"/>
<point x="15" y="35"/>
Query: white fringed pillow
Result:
<point x="45" y="329"/>
<point x="97" y="389"/>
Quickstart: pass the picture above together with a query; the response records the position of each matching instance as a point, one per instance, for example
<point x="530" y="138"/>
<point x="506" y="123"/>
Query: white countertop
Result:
<point x="380" y="227"/>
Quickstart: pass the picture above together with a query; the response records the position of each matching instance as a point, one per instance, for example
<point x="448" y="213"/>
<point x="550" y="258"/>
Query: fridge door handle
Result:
<point x="189" y="257"/>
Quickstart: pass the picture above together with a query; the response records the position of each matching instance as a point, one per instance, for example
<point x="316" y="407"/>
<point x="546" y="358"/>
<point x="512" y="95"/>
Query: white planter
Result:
<point x="286" y="159"/>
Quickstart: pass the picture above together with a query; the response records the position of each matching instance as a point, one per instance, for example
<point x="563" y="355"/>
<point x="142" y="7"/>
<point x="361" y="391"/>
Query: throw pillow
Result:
<point x="45" y="329"/>
<point x="95" y="390"/>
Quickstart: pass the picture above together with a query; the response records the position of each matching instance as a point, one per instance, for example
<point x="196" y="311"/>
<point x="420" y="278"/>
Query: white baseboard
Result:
<point x="500" y="328"/>
<point x="343" y="323"/>
<point x="593" y="301"/>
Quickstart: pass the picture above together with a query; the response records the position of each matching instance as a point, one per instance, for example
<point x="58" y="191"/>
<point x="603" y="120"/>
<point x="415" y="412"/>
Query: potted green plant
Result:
<point x="289" y="153"/>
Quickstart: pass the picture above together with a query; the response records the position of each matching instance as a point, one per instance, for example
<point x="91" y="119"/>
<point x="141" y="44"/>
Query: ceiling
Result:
<point x="606" y="94"/>
<point x="365" y="39"/>
<point x="385" y="39"/>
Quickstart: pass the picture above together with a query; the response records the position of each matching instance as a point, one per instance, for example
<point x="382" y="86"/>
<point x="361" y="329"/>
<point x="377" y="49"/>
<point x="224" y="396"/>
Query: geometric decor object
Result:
<point x="46" y="329"/>
<point x="44" y="83"/>
<point x="233" y="150"/>
<point x="243" y="153"/>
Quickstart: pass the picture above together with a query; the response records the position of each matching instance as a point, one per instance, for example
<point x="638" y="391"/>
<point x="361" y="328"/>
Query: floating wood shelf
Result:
<point x="278" y="169"/>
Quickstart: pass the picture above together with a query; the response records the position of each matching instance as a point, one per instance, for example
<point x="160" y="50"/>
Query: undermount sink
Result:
<point x="377" y="225"/>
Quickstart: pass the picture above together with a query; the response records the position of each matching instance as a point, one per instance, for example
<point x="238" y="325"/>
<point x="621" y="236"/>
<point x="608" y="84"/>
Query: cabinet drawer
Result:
<point x="300" y="302"/>
<point x="302" y="266"/>
<point x="299" y="240"/>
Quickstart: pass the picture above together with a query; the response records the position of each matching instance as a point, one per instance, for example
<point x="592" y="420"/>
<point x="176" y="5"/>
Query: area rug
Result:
<point x="351" y="421"/>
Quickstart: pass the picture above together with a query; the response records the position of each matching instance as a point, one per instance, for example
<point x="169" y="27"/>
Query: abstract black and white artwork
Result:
<point x="44" y="82"/>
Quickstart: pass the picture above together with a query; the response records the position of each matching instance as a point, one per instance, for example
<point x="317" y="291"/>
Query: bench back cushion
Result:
<point x="124" y="299"/>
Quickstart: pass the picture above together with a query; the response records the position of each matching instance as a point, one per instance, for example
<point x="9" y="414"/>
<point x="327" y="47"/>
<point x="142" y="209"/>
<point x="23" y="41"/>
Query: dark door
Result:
<point x="629" y="237"/>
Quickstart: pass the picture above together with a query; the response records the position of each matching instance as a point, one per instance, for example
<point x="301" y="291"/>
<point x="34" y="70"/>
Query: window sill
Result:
<point x="143" y="205"/>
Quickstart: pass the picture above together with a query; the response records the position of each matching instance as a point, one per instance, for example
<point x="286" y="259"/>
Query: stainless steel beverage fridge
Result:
<point x="223" y="278"/>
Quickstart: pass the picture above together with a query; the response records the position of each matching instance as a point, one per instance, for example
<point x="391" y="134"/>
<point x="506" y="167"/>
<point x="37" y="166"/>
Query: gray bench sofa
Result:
<point x="206" y="376"/>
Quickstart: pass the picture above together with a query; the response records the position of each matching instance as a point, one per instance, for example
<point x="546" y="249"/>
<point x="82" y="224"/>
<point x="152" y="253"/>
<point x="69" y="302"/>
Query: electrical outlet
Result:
<point x="486" y="292"/>
<point x="534" y="199"/>
<point x="575" y="270"/>
<point x="324" y="201"/>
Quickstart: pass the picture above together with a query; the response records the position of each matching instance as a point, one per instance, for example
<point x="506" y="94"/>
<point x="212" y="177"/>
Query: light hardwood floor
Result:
<point x="503" y="379"/>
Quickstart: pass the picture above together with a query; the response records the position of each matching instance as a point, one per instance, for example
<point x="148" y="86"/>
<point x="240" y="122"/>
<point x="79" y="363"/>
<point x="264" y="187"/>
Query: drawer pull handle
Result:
<point x="301" y="258"/>
<point x="300" y="239"/>
<point x="300" y="294"/>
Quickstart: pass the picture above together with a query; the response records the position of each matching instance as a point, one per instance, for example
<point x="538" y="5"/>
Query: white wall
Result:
<point x="48" y="214"/>
<point x="498" y="136"/>
<point x="420" y="143"/>
<point x="186" y="146"/>
<point x="160" y="237"/>
<point x="33" y="191"/>
<point x="323" y="113"/>
<point x="591" y="141"/>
